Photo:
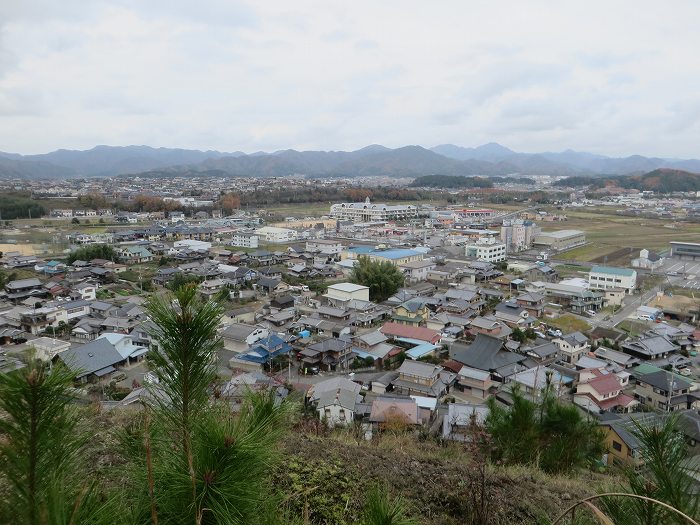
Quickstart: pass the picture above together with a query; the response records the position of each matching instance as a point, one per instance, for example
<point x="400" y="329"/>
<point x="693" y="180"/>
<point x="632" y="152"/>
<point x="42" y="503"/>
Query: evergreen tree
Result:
<point x="41" y="446"/>
<point x="382" y="277"/>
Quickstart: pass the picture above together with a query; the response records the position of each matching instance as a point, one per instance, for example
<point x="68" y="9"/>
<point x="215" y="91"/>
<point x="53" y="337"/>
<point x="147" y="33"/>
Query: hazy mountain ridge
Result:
<point x="375" y="160"/>
<point x="661" y="180"/>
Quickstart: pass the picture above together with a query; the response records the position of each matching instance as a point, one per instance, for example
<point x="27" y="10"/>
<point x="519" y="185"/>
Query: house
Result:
<point x="261" y="352"/>
<point x="514" y="315"/>
<point x="649" y="347"/>
<point x="47" y="347"/>
<point x="419" y="333"/>
<point x="463" y="420"/>
<point x="134" y="254"/>
<point x="85" y="291"/>
<point x="489" y="325"/>
<point x="476" y="383"/>
<point x="238" y="388"/>
<point x="20" y="289"/>
<point x="541" y="351"/>
<point x="164" y="275"/>
<point x="616" y="358"/>
<point x="572" y="346"/>
<point x="532" y="302"/>
<point x="603" y="277"/>
<point x="422" y="379"/>
<point x="665" y="391"/>
<point x="486" y="353"/>
<point x="413" y="312"/>
<point x="394" y="413"/>
<point x="211" y="287"/>
<point x="533" y="382"/>
<point x="328" y="354"/>
<point x="620" y="438"/>
<point x="238" y="337"/>
<point x="601" y="392"/>
<point x="337" y="407"/>
<point x="417" y="271"/>
<point x="269" y="286"/>
<point x="540" y="272"/>
<point x="648" y="260"/>
<point x="92" y="362"/>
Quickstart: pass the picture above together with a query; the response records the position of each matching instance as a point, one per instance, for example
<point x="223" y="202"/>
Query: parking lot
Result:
<point x="683" y="273"/>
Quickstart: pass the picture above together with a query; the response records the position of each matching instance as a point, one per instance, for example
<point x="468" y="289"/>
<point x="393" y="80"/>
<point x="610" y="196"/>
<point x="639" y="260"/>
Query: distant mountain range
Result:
<point x="375" y="160"/>
<point x="661" y="180"/>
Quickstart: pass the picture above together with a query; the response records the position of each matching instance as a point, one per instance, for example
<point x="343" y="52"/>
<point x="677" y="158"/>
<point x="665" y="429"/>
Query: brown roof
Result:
<point x="411" y="332"/>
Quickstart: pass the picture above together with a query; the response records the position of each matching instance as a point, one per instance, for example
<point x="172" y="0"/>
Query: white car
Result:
<point x="685" y="371"/>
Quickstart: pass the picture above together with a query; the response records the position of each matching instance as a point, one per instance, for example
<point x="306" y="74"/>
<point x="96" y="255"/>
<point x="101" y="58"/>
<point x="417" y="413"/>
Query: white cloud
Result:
<point x="615" y="78"/>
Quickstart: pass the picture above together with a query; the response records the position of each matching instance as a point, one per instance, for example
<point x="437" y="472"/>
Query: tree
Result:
<point x="548" y="433"/>
<point x="41" y="445"/>
<point x="518" y="335"/>
<point x="183" y="279"/>
<point x="94" y="251"/>
<point x="75" y="220"/>
<point x="230" y="202"/>
<point x="666" y="477"/>
<point x="197" y="463"/>
<point x="382" y="277"/>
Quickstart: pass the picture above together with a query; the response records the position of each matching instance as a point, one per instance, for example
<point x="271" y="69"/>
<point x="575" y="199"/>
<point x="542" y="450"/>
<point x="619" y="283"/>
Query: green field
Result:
<point x="619" y="238"/>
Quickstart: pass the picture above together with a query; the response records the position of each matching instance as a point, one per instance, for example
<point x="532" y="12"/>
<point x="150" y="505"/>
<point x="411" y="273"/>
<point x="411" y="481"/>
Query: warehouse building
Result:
<point x="560" y="240"/>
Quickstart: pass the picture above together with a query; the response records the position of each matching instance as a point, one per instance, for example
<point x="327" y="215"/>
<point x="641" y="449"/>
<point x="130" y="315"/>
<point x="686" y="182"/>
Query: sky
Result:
<point x="610" y="77"/>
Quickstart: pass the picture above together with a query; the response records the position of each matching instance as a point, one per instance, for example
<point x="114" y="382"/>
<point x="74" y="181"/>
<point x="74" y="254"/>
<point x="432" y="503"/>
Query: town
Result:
<point x="491" y="299"/>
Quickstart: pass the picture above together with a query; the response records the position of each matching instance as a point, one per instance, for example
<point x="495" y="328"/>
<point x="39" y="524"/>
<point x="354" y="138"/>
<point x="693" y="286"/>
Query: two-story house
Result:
<point x="572" y="346"/>
<point x="422" y="379"/>
<point x="665" y="391"/>
<point x="602" y="391"/>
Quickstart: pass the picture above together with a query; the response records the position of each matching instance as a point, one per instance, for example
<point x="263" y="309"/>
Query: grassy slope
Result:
<point x="328" y="477"/>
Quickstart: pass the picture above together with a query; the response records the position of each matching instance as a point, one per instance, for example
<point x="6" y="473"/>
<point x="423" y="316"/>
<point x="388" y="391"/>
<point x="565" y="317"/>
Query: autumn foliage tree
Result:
<point x="229" y="202"/>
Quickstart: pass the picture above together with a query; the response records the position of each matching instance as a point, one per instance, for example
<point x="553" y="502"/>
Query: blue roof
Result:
<point x="395" y="254"/>
<point x="361" y="249"/>
<point x="613" y="271"/>
<point x="266" y="349"/>
<point x="421" y="350"/>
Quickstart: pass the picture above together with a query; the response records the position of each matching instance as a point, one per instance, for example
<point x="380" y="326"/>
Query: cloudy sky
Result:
<point x="612" y="77"/>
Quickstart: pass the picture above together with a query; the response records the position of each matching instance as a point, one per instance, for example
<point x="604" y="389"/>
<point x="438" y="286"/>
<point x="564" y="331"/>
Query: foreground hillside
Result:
<point x="327" y="478"/>
<point x="324" y="477"/>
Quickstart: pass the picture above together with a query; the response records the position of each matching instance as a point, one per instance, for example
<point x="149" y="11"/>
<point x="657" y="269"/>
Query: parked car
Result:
<point x="554" y="332"/>
<point x="590" y="313"/>
<point x="685" y="371"/>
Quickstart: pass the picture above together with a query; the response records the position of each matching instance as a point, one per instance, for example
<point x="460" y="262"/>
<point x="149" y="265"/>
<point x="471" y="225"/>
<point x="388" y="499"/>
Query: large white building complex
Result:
<point x="368" y="212"/>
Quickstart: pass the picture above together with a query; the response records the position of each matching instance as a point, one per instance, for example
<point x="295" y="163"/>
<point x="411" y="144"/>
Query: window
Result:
<point x="617" y="446"/>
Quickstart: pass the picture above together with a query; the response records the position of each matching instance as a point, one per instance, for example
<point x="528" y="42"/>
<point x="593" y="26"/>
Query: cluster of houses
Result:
<point x="459" y="332"/>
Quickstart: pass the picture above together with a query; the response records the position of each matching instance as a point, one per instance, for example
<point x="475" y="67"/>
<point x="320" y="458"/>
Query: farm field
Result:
<point x="614" y="239"/>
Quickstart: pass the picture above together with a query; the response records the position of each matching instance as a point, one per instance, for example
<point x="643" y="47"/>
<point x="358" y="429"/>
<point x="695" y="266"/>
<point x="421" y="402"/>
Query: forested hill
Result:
<point x="662" y="180"/>
<point x="451" y="181"/>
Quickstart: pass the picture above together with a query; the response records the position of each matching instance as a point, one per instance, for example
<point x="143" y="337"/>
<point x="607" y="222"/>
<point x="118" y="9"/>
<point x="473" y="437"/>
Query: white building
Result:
<point x="343" y="292"/>
<point x="605" y="277"/>
<point x="245" y="240"/>
<point x="488" y="251"/>
<point x="274" y="234"/>
<point x="518" y="234"/>
<point x="417" y="271"/>
<point x="324" y="246"/>
<point x="368" y="212"/>
<point x="560" y="239"/>
<point x="192" y="244"/>
<point x="648" y="260"/>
